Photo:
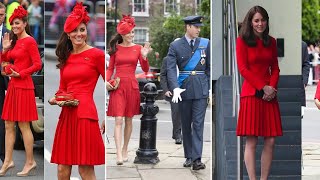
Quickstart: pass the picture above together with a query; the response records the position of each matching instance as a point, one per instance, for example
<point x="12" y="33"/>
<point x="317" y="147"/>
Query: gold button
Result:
<point x="193" y="73"/>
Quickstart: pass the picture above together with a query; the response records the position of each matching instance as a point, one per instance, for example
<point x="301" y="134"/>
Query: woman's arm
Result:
<point x="275" y="71"/>
<point x="101" y="65"/>
<point x="110" y="67"/>
<point x="33" y="53"/>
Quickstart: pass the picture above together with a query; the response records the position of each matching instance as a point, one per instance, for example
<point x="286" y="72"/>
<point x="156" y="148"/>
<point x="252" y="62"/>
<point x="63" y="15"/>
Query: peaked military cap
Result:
<point x="194" y="20"/>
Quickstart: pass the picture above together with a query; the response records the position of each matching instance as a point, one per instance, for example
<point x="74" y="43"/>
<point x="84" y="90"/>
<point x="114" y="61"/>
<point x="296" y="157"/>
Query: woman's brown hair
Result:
<point x="116" y="39"/>
<point x="14" y="37"/>
<point x="64" y="47"/>
<point x="246" y="31"/>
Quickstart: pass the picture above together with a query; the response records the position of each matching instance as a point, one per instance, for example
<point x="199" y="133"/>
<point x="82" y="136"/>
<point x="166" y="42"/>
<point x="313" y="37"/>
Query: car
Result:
<point x="37" y="127"/>
<point x="152" y="76"/>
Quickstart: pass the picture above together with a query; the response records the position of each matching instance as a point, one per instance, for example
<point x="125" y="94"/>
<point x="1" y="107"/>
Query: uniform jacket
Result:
<point x="79" y="76"/>
<point x="258" y="65"/>
<point x="305" y="71"/>
<point x="26" y="58"/>
<point x="197" y="87"/>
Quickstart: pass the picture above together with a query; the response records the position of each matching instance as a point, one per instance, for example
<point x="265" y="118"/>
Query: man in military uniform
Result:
<point x="191" y="87"/>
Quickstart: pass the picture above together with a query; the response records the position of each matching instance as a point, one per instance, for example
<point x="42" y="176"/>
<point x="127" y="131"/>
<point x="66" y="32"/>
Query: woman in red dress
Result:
<point x="78" y="140"/>
<point x="259" y="113"/>
<point x="19" y="105"/>
<point x="125" y="101"/>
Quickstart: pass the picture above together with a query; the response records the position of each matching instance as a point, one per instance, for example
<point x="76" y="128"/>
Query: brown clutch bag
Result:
<point x="67" y="99"/>
<point x="115" y="83"/>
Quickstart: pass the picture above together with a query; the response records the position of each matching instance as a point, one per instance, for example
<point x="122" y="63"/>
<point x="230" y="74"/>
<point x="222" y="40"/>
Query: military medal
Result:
<point x="203" y="55"/>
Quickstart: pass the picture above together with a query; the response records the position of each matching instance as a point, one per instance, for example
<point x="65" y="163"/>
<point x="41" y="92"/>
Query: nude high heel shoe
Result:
<point x="9" y="168"/>
<point x="31" y="171"/>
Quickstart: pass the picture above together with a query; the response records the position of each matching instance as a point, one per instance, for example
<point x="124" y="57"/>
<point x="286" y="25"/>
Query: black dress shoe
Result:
<point x="178" y="141"/>
<point x="187" y="163"/>
<point x="197" y="165"/>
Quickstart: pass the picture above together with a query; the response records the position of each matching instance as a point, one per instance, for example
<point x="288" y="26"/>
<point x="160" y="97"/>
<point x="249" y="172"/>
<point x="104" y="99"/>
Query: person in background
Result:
<point x="3" y="83"/>
<point x="35" y="18"/>
<point x="175" y="114"/>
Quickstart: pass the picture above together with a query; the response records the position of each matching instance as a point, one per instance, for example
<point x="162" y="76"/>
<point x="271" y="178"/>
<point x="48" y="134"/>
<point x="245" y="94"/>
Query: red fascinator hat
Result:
<point x="19" y="12"/>
<point x="126" y="24"/>
<point x="78" y="15"/>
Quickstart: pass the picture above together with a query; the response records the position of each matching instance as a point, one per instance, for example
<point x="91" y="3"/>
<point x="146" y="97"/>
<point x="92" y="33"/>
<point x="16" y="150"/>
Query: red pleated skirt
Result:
<point x="77" y="141"/>
<point x="19" y="105"/>
<point x="258" y="117"/>
<point x="125" y="101"/>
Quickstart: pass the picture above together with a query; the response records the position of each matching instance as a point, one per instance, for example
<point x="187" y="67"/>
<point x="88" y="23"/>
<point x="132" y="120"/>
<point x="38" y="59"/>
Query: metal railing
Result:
<point x="236" y="81"/>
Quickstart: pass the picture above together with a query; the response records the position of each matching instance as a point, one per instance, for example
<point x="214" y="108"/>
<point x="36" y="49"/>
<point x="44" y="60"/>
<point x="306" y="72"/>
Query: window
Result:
<point x="140" y="8"/>
<point x="171" y="6"/>
<point x="141" y="35"/>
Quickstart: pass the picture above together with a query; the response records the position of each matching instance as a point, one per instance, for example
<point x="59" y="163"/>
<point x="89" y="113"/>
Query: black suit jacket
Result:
<point x="3" y="79"/>
<point x="305" y="71"/>
<point x="163" y="78"/>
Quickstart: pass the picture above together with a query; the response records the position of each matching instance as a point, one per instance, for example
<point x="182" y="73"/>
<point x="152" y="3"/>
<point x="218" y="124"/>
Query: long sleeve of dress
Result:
<point x="62" y="85"/>
<point x="275" y="71"/>
<point x="36" y="60"/>
<point x="101" y="65"/>
<point x="144" y="63"/>
<point x="242" y="61"/>
<point x="110" y="69"/>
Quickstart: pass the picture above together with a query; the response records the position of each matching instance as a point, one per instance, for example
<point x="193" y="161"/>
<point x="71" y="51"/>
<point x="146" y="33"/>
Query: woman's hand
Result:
<point x="52" y="101"/>
<point x="13" y="74"/>
<point x="317" y="102"/>
<point x="103" y="127"/>
<point x="6" y="42"/>
<point x="146" y="50"/>
<point x="269" y="93"/>
<point x="109" y="86"/>
<point x="168" y="94"/>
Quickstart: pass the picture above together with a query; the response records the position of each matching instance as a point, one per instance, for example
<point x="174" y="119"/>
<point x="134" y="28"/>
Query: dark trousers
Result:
<point x="2" y="127"/>
<point x="192" y="121"/>
<point x="176" y="120"/>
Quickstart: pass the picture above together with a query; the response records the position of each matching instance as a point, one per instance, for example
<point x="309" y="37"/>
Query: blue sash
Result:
<point x="194" y="60"/>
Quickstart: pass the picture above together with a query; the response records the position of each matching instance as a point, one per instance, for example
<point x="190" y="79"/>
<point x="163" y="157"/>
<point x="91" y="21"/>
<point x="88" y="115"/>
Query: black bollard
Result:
<point x="147" y="152"/>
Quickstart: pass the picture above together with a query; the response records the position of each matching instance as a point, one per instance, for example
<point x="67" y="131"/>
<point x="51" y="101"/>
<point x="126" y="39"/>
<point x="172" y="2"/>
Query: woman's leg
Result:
<point x="87" y="172"/>
<point x="266" y="157"/>
<point x="64" y="172"/>
<point x="118" y="137"/>
<point x="127" y="135"/>
<point x="250" y="155"/>
<point x="10" y="139"/>
<point x="28" y="145"/>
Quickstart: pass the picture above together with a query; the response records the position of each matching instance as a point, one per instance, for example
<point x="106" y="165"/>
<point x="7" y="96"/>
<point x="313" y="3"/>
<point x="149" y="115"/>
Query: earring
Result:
<point x="68" y="37"/>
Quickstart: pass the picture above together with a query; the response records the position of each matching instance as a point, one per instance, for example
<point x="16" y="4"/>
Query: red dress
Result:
<point x="259" y="67"/>
<point x="20" y="103"/>
<point x="78" y="140"/>
<point x="125" y="101"/>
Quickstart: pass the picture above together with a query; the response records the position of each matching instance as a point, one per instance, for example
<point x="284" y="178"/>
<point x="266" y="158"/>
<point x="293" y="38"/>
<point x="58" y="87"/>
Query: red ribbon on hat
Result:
<point x="126" y="24"/>
<point x="78" y="15"/>
<point x="19" y="12"/>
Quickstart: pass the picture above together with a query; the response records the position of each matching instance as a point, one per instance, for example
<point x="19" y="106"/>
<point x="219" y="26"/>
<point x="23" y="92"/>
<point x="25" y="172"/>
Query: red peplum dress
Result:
<point x="125" y="101"/>
<point x="259" y="67"/>
<point x="78" y="140"/>
<point x="20" y="103"/>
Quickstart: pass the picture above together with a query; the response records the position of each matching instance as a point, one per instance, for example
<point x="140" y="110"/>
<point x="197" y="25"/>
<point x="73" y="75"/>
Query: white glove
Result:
<point x="176" y="95"/>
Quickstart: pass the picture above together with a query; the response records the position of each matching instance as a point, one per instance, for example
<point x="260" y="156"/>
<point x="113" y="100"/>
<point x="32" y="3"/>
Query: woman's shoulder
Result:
<point x="29" y="39"/>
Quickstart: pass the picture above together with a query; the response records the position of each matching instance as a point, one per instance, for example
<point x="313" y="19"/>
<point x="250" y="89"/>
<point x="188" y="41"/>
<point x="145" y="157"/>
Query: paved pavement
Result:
<point x="171" y="155"/>
<point x="170" y="165"/>
<point x="310" y="138"/>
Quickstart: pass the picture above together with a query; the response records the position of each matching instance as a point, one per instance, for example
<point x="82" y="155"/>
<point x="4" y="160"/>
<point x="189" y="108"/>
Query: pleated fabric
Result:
<point x="19" y="105"/>
<point x="125" y="101"/>
<point x="77" y="141"/>
<point x="258" y="117"/>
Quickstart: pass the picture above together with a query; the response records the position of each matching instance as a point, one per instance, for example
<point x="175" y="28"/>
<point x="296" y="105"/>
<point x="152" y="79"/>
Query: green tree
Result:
<point x="310" y="20"/>
<point x="164" y="30"/>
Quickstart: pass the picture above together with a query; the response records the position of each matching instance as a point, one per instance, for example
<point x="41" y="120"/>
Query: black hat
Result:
<point x="194" y="20"/>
